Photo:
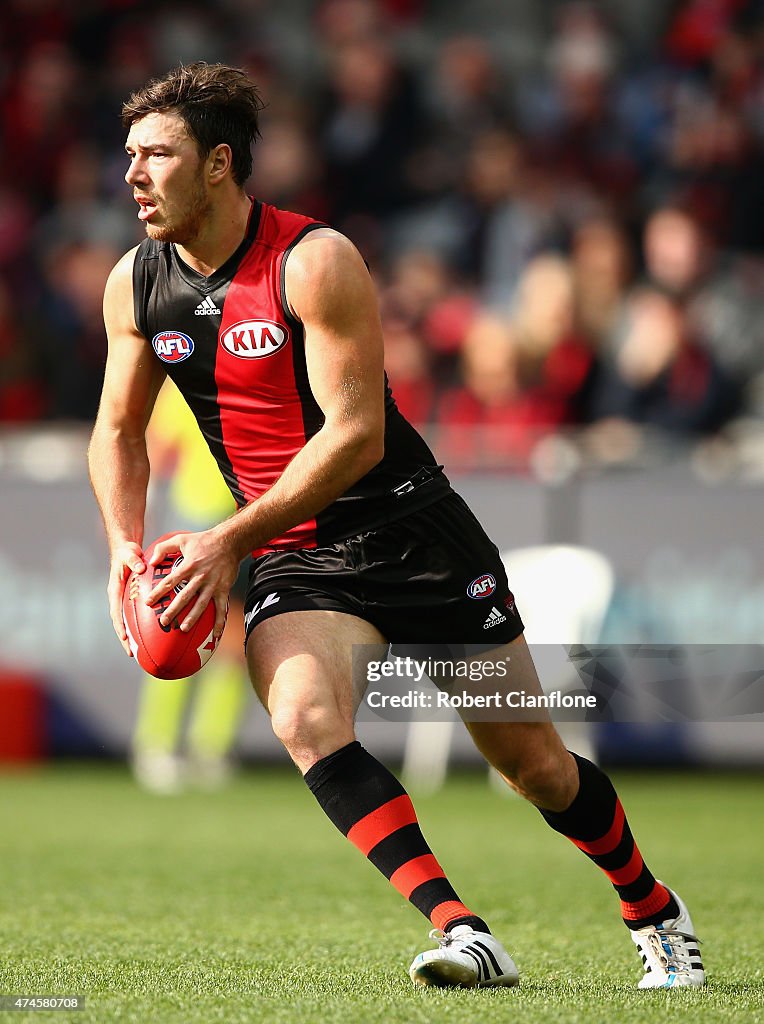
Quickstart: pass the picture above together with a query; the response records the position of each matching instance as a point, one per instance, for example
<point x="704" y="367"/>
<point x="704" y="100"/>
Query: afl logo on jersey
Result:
<point x="253" y="339"/>
<point x="172" y="346"/>
<point x="483" y="586"/>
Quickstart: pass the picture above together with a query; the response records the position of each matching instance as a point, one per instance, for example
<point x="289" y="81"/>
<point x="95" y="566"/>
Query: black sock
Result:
<point x="372" y="809"/>
<point x="595" y="822"/>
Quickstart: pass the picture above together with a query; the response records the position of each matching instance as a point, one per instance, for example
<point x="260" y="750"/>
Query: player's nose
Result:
<point x="136" y="172"/>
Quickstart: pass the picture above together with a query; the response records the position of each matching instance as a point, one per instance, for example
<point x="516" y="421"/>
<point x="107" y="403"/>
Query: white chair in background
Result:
<point x="563" y="593"/>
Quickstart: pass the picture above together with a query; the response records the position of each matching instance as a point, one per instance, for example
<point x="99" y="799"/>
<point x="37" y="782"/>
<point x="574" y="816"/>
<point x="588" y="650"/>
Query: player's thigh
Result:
<point x="306" y="658"/>
<point x="516" y="741"/>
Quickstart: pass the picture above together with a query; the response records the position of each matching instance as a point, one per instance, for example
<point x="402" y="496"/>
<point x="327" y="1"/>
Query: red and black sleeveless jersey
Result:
<point x="237" y="354"/>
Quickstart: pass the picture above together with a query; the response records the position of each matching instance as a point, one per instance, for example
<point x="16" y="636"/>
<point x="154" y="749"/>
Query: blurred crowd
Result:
<point x="569" y="235"/>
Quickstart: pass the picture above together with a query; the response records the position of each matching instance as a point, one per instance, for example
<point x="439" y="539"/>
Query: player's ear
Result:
<point x="219" y="162"/>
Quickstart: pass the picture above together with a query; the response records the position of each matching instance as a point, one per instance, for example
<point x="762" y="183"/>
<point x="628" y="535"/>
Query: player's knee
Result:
<point x="541" y="778"/>
<point x="303" y="728"/>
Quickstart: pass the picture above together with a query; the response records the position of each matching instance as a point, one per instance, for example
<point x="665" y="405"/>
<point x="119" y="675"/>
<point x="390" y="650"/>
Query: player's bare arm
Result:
<point x="117" y="457"/>
<point x="330" y="290"/>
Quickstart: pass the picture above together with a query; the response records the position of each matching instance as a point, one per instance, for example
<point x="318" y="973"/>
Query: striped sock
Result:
<point x="369" y="806"/>
<point x="595" y="822"/>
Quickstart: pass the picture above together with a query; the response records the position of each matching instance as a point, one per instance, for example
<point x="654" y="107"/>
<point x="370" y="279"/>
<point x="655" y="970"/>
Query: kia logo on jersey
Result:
<point x="172" y="346"/>
<point x="253" y="339"/>
<point x="483" y="586"/>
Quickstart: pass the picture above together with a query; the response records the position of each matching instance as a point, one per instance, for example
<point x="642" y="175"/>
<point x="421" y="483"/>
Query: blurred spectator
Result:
<point x="522" y="378"/>
<point x="69" y="327"/>
<point x="555" y="362"/>
<point x="370" y="125"/>
<point x="81" y="213"/>
<point x="16" y="223"/>
<point x="478" y="419"/>
<point x="722" y="299"/>
<point x="660" y="376"/>
<point x="602" y="268"/>
<point x="463" y="97"/>
<point x="425" y="292"/>
<point x="465" y="94"/>
<point x="697" y="27"/>
<point x="22" y="396"/>
<point x="501" y="218"/>
<point x="712" y="154"/>
<point x="571" y="114"/>
<point x="407" y="362"/>
<point x="288" y="172"/>
<point x="676" y="254"/>
<point x="38" y="115"/>
<point x="340" y="22"/>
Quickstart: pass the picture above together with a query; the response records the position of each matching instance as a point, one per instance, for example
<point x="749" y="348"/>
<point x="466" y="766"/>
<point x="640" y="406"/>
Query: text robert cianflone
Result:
<point x="464" y="699"/>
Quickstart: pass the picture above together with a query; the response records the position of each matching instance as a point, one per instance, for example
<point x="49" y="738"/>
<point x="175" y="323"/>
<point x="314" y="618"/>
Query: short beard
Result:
<point x="197" y="207"/>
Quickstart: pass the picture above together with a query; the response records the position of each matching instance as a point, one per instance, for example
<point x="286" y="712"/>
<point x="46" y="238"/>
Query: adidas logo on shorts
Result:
<point x="206" y="307"/>
<point x="494" y="618"/>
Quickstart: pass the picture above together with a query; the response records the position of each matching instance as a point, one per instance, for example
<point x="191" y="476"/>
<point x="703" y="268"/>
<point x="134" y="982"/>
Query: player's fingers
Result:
<point x="176" y="578"/>
<point x="159" y="591"/>
<point x="181" y="599"/>
<point x="131" y="557"/>
<point x="119" y="628"/>
<point x="165" y="547"/>
<point x="221" y="614"/>
<point x="124" y="641"/>
<point x="203" y="598"/>
<point x="115" y="591"/>
<point x="126" y="559"/>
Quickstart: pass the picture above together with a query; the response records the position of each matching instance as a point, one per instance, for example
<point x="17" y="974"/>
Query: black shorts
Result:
<point x="431" y="577"/>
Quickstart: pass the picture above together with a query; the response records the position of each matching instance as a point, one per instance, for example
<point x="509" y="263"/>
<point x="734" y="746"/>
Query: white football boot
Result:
<point x="670" y="952"/>
<point x="464" y="959"/>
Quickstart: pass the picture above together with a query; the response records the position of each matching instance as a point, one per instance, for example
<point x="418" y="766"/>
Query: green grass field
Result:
<point x="246" y="905"/>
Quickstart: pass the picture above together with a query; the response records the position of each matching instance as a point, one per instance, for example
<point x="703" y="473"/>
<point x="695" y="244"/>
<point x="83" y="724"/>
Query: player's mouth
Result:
<point x="147" y="207"/>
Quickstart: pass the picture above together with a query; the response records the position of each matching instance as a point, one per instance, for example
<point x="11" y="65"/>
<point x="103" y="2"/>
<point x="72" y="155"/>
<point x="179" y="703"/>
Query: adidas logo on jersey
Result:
<point x="206" y="307"/>
<point x="494" y="618"/>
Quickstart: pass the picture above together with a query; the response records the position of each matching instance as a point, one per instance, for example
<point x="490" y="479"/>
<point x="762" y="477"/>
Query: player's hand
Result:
<point x="208" y="570"/>
<point x="125" y="559"/>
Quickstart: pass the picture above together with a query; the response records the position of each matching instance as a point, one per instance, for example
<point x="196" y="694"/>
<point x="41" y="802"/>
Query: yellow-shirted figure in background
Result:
<point x="213" y="701"/>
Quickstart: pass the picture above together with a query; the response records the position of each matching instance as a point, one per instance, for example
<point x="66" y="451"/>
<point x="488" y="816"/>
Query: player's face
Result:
<point x="167" y="175"/>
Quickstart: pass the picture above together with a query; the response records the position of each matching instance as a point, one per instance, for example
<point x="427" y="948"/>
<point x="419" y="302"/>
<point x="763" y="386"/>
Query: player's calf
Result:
<point x="531" y="758"/>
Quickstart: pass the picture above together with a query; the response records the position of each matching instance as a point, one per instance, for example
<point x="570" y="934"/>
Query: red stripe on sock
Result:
<point x="629" y="872"/>
<point x="610" y="840"/>
<point x="657" y="899"/>
<point x="377" y="825"/>
<point x="414" y="872"/>
<point x="448" y="911"/>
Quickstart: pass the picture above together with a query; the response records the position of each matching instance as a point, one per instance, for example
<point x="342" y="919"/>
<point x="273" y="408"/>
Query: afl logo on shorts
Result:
<point x="253" y="339"/>
<point x="483" y="586"/>
<point x="172" y="346"/>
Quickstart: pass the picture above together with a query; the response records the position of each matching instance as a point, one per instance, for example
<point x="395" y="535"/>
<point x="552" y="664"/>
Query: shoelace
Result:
<point x="441" y="937"/>
<point x="678" y="960"/>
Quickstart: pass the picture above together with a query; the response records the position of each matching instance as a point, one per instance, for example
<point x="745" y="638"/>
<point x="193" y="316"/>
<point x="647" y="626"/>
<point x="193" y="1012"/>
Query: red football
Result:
<point x="164" y="651"/>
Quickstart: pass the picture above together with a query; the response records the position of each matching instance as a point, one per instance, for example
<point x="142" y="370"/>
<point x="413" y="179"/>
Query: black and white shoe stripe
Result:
<point x="486" y="963"/>
<point x="464" y="958"/>
<point x="695" y="960"/>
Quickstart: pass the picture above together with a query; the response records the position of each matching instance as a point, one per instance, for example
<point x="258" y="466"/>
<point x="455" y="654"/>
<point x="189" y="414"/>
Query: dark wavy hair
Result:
<point x="217" y="103"/>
